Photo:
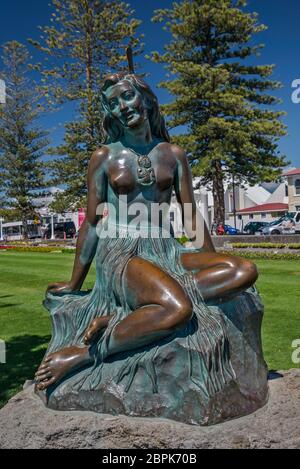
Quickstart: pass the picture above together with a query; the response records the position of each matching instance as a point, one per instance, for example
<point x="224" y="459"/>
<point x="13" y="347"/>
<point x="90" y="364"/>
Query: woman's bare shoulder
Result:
<point x="101" y="153"/>
<point x="176" y="151"/>
<point x="99" y="156"/>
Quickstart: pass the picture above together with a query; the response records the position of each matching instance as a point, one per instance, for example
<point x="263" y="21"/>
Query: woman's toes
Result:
<point x="43" y="370"/>
<point x="44" y="376"/>
<point x="41" y="386"/>
<point x="46" y="383"/>
<point x="42" y="367"/>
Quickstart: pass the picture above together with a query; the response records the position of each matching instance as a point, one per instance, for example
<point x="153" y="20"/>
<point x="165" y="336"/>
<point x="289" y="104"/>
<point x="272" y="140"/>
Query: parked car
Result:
<point x="230" y="230"/>
<point x="284" y="225"/>
<point x="253" y="227"/>
<point x="61" y="230"/>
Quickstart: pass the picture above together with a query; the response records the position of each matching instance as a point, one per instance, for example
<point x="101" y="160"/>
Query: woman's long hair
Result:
<point x="113" y="127"/>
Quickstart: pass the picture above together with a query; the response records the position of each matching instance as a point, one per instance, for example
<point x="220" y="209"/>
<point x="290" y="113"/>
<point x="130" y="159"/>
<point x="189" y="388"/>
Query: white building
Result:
<point x="293" y="182"/>
<point x="262" y="202"/>
<point x="42" y="207"/>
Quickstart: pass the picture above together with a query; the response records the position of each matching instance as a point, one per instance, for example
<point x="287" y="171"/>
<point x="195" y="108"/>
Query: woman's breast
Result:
<point x="124" y="180"/>
<point x="164" y="178"/>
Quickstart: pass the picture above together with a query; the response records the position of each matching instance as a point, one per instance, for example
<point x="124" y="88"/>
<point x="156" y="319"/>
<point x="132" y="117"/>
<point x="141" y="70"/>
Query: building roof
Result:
<point x="292" y="172"/>
<point x="271" y="187"/>
<point x="257" y="194"/>
<point x="275" y="207"/>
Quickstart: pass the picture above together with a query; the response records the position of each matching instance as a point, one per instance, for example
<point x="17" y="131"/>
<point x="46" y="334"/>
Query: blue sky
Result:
<point x="19" y="20"/>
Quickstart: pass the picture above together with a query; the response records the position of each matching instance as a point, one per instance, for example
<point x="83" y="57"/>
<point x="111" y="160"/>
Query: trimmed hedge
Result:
<point x="282" y="256"/>
<point x="266" y="245"/>
<point x="37" y="249"/>
<point x="242" y="253"/>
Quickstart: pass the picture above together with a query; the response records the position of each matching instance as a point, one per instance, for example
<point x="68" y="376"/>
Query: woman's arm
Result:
<point x="193" y="221"/>
<point x="87" y="239"/>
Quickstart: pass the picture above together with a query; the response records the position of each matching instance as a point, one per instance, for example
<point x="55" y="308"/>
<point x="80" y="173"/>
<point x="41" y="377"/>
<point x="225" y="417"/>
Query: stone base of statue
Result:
<point x="169" y="382"/>
<point x="26" y="423"/>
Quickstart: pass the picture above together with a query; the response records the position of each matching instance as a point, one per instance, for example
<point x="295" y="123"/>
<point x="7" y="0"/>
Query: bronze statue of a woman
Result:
<point x="151" y="294"/>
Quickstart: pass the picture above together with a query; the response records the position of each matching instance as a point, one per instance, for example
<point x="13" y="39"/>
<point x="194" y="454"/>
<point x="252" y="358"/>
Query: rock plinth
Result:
<point x="26" y="423"/>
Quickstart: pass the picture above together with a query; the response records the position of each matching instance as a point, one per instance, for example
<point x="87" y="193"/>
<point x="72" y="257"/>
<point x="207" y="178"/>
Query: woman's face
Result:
<point x="126" y="104"/>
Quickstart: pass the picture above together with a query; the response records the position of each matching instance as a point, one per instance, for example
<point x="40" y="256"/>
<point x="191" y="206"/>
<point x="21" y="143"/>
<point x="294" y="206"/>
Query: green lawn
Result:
<point x="25" y="326"/>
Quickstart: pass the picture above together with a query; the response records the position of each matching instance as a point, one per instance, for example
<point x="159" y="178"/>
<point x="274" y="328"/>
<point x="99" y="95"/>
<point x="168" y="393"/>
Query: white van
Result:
<point x="282" y="225"/>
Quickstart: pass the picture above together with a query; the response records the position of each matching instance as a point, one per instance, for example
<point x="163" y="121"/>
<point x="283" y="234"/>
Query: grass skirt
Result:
<point x="205" y="335"/>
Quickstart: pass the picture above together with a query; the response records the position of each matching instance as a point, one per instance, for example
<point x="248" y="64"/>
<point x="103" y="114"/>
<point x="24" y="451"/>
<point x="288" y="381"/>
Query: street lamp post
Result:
<point x="233" y="200"/>
<point x="1" y="231"/>
<point x="52" y="227"/>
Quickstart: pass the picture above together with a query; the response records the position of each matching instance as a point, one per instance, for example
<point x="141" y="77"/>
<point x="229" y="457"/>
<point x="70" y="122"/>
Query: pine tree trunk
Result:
<point x="218" y="193"/>
<point x="25" y="229"/>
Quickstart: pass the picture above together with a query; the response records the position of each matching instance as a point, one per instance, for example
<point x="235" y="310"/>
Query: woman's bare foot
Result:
<point x="59" y="364"/>
<point x="95" y="328"/>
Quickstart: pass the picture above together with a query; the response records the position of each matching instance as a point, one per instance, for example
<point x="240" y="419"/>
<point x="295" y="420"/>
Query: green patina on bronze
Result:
<point x="166" y="331"/>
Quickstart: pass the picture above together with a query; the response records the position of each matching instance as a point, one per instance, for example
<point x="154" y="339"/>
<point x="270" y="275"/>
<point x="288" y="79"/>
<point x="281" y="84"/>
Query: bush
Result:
<point x="266" y="245"/>
<point x="183" y="239"/>
<point x="37" y="249"/>
<point x="265" y="255"/>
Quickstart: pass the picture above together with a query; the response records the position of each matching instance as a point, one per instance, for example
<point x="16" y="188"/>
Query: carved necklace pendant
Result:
<point x="145" y="172"/>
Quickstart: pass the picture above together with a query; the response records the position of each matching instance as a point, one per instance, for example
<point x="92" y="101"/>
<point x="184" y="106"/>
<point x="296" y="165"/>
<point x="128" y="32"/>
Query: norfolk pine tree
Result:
<point x="223" y="100"/>
<point x="22" y="143"/>
<point x="86" y="40"/>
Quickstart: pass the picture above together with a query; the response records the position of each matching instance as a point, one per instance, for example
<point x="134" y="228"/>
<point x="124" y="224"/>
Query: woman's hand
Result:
<point x="61" y="288"/>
